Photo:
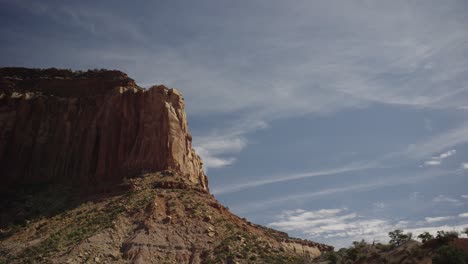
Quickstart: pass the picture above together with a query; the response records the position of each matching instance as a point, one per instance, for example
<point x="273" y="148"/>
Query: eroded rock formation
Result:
<point x="98" y="127"/>
<point x="91" y="128"/>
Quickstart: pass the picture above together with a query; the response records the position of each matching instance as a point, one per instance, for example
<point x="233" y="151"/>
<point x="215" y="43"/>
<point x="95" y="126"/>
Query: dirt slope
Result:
<point x="156" y="218"/>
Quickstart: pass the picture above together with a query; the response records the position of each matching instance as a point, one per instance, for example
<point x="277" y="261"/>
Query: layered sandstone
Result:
<point x="91" y="128"/>
<point x="95" y="128"/>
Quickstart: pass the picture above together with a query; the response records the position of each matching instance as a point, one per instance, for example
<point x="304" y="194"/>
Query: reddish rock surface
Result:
<point x="92" y="128"/>
<point x="95" y="128"/>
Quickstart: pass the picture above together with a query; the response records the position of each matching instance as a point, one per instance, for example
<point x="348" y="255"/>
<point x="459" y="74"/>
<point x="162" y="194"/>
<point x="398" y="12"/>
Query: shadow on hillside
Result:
<point x="22" y="204"/>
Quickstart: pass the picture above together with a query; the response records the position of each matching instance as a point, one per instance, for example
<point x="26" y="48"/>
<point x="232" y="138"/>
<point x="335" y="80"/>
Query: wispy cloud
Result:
<point x="437" y="219"/>
<point x="464" y="215"/>
<point x="355" y="58"/>
<point x="446" y="154"/>
<point x="326" y="221"/>
<point x="416" y="230"/>
<point x="434" y="161"/>
<point x="97" y="21"/>
<point x="210" y="161"/>
<point x="341" y="226"/>
<point x="379" y="205"/>
<point x="413" y="152"/>
<point x="275" y="61"/>
<point x="217" y="149"/>
<point x="445" y="199"/>
<point x="336" y="224"/>
<point x="438" y="143"/>
<point x="213" y="149"/>
<point x="277" y="179"/>
<point x="101" y="21"/>
<point x="391" y="180"/>
<point x="231" y="65"/>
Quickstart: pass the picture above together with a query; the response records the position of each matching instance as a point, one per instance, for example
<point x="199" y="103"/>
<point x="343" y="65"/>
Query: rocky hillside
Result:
<point x="99" y="170"/>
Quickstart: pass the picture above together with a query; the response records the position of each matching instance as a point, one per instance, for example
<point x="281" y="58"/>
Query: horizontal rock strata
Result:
<point x="91" y="128"/>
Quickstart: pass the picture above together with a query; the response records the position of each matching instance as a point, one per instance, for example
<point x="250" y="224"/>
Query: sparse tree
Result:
<point x="397" y="237"/>
<point x="409" y="236"/>
<point x="426" y="236"/>
<point x="446" y="236"/>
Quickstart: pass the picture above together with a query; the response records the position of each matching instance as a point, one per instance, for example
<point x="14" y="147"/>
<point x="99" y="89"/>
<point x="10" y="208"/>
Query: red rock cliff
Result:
<point x="91" y="128"/>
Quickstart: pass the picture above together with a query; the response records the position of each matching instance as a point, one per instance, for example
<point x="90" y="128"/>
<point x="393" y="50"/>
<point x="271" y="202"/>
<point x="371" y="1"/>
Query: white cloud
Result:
<point x="301" y="214"/>
<point x="445" y="199"/>
<point x="464" y="215"/>
<point x="428" y="146"/>
<point x="340" y="227"/>
<point x="464" y="166"/>
<point x="223" y="145"/>
<point x="217" y="149"/>
<point x="416" y="230"/>
<point x="464" y="196"/>
<point x="213" y="147"/>
<point x="334" y="224"/>
<point x="415" y="151"/>
<point x="437" y="143"/>
<point x="437" y="219"/>
<point x="392" y="180"/>
<point x="211" y="161"/>
<point x="446" y="154"/>
<point x="379" y="205"/>
<point x="358" y="56"/>
<point x="321" y="218"/>
<point x="434" y="161"/>
<point x="213" y="150"/>
<point x="315" y="222"/>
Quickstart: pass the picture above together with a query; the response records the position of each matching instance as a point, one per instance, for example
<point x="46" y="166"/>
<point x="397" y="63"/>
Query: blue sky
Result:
<point x="331" y="120"/>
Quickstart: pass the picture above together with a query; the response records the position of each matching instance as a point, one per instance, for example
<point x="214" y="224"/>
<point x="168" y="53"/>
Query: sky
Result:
<point x="334" y="121"/>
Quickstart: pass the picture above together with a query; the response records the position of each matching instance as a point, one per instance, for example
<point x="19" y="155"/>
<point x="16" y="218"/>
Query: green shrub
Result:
<point x="450" y="255"/>
<point x="426" y="236"/>
<point x="332" y="257"/>
<point x="446" y="237"/>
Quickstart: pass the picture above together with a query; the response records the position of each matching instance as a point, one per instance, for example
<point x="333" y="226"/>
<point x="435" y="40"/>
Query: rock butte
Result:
<point x="91" y="128"/>
<point x="95" y="129"/>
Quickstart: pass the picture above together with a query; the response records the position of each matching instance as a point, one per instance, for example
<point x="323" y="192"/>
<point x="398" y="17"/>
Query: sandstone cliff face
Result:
<point x="95" y="128"/>
<point x="91" y="128"/>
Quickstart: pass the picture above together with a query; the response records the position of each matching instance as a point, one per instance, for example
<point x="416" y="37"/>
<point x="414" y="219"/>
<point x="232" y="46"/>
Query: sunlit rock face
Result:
<point x="91" y="128"/>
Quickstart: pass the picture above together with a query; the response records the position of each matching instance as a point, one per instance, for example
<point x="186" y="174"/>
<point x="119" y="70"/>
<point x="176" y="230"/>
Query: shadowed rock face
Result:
<point x="91" y="128"/>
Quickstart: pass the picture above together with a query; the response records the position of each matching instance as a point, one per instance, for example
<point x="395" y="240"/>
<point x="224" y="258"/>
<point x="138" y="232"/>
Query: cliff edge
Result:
<point x="146" y="197"/>
<point x="91" y="128"/>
